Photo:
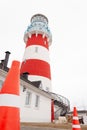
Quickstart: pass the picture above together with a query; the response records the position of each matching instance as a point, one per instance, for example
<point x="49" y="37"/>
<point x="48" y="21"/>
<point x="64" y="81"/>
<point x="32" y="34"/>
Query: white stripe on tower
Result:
<point x="36" y="52"/>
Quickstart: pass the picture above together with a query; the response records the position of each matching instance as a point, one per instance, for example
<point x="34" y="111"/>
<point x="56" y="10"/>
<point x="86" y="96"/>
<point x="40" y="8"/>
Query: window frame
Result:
<point x="37" y="101"/>
<point x="28" y="98"/>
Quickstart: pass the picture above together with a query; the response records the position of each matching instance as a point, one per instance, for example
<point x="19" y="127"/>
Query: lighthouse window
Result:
<point x="37" y="101"/>
<point x="36" y="49"/>
<point x="28" y="98"/>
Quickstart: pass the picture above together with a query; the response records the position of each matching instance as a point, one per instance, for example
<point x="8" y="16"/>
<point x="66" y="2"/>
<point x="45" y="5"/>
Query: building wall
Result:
<point x="30" y="113"/>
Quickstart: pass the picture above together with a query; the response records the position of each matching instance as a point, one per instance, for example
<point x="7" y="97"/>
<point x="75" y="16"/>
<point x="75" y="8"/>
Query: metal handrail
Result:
<point x="61" y="99"/>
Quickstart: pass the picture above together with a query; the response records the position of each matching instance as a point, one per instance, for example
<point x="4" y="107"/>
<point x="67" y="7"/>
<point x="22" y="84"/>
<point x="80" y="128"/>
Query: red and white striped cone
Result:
<point x="10" y="100"/>
<point x="75" y="121"/>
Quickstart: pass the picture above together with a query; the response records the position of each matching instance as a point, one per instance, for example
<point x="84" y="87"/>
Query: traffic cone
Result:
<point x="9" y="99"/>
<point x="75" y="121"/>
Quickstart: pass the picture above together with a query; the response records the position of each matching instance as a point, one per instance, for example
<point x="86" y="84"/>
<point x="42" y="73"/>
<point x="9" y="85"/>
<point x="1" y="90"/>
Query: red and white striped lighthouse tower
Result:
<point x="36" y="61"/>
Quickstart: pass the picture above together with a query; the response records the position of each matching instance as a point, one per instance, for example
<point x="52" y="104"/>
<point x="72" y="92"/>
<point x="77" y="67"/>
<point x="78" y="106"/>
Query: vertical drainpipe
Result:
<point x="52" y="110"/>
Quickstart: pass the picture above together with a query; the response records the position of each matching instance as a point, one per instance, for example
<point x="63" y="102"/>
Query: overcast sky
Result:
<point x="68" y="52"/>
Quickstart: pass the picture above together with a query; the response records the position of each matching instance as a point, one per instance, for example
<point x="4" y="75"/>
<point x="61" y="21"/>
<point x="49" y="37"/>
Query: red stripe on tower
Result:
<point x="36" y="57"/>
<point x="36" y="67"/>
<point x="38" y="40"/>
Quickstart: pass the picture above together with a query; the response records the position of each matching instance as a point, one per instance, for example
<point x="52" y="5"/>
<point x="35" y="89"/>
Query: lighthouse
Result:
<point x="36" y="61"/>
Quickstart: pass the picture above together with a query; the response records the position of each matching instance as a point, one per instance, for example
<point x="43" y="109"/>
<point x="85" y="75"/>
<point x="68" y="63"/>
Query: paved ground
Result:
<point x="49" y="126"/>
<point x="38" y="128"/>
